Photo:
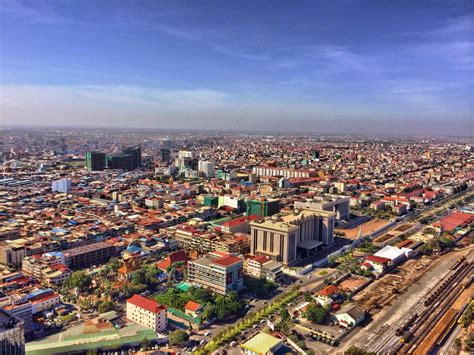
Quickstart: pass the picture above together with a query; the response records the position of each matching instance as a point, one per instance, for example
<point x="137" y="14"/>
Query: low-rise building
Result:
<point x="44" y="301"/>
<point x="193" y="309"/>
<point x="262" y="343"/>
<point x="350" y="316"/>
<point x="262" y="267"/>
<point x="147" y="312"/>
<point x="378" y="263"/>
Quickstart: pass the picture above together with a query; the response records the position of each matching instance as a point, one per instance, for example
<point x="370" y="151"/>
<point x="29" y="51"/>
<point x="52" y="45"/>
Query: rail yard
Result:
<point x="428" y="324"/>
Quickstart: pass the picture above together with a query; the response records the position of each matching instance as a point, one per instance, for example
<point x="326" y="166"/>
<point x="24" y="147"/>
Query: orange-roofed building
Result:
<point x="193" y="309"/>
<point x="174" y="257"/>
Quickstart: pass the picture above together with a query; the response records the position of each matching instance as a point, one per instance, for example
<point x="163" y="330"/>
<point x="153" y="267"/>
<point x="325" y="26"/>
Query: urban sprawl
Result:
<point x="114" y="242"/>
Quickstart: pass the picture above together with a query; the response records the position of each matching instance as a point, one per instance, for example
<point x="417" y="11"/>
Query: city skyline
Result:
<point x="349" y="67"/>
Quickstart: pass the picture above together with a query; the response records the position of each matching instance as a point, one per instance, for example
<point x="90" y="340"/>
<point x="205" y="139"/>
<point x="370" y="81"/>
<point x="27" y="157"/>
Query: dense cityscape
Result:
<point x="236" y="177"/>
<point x="210" y="242"/>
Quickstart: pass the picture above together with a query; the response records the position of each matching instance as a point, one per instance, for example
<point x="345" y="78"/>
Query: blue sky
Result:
<point x="320" y="66"/>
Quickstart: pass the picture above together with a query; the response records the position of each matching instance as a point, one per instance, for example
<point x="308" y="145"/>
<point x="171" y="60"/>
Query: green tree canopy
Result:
<point x="315" y="313"/>
<point x="80" y="280"/>
<point x="178" y="337"/>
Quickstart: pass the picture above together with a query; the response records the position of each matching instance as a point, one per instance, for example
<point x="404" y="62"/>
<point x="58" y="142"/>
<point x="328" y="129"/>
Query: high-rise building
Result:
<point x="187" y="163"/>
<point x="218" y="271"/>
<point x="136" y="156"/>
<point x="12" y="335"/>
<point x="61" y="185"/>
<point x="263" y="208"/>
<point x="185" y="154"/>
<point x="207" y="167"/>
<point x="165" y="155"/>
<point x="11" y="254"/>
<point x="23" y="312"/>
<point x="286" y="236"/>
<point x="88" y="255"/>
<point x="120" y="161"/>
<point x="95" y="161"/>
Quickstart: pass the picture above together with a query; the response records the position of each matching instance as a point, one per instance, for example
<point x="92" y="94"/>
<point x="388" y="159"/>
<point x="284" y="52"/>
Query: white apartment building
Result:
<point x="61" y="185"/>
<point x="207" y="167"/>
<point x="284" y="172"/>
<point x="147" y="312"/>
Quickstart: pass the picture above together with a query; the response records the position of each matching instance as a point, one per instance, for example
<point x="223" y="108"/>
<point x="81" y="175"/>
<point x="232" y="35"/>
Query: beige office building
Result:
<point x="279" y="237"/>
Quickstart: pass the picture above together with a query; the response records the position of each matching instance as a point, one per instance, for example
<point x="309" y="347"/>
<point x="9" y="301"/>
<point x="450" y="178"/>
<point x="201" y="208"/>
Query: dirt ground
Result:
<point x="380" y="292"/>
<point x="367" y="228"/>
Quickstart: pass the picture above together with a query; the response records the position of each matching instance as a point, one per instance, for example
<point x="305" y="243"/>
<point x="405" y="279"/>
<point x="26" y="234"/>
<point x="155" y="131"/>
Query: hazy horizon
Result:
<point x="371" y="67"/>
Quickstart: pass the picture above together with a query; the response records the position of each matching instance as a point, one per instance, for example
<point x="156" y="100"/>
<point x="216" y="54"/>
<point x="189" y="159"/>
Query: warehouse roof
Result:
<point x="261" y="343"/>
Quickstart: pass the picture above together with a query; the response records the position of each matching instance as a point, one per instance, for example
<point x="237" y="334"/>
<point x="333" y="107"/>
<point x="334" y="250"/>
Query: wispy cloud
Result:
<point x="179" y="99"/>
<point x="38" y="12"/>
<point x="327" y="57"/>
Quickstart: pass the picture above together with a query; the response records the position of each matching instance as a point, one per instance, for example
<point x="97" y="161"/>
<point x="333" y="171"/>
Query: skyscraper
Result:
<point x="95" y="161"/>
<point x="136" y="153"/>
<point x="165" y="155"/>
<point x="207" y="167"/>
<point x="120" y="161"/>
<point x="12" y="335"/>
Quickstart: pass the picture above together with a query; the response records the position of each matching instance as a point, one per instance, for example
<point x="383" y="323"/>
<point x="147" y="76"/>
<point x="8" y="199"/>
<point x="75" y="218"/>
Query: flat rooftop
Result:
<point x="75" y="339"/>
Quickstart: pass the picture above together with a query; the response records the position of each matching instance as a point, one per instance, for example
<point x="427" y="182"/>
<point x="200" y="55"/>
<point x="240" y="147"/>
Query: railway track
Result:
<point x="433" y="312"/>
<point x="405" y="335"/>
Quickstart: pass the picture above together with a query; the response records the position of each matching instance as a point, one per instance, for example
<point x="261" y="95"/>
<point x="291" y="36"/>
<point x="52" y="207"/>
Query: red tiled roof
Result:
<point x="192" y="306"/>
<point x="235" y="222"/>
<point x="260" y="259"/>
<point x="173" y="257"/>
<point x="456" y="219"/>
<point x="45" y="298"/>
<point x="377" y="259"/>
<point x="328" y="291"/>
<point x="227" y="260"/>
<point x="146" y="303"/>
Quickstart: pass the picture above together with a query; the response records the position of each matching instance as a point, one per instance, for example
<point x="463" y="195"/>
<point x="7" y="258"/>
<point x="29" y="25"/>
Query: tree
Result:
<point x="285" y="315"/>
<point x="106" y="306"/>
<point x="307" y="297"/>
<point x="145" y="344"/>
<point x="80" y="280"/>
<point x="200" y="295"/>
<point x="178" y="337"/>
<point x="316" y="314"/>
<point x="208" y="312"/>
